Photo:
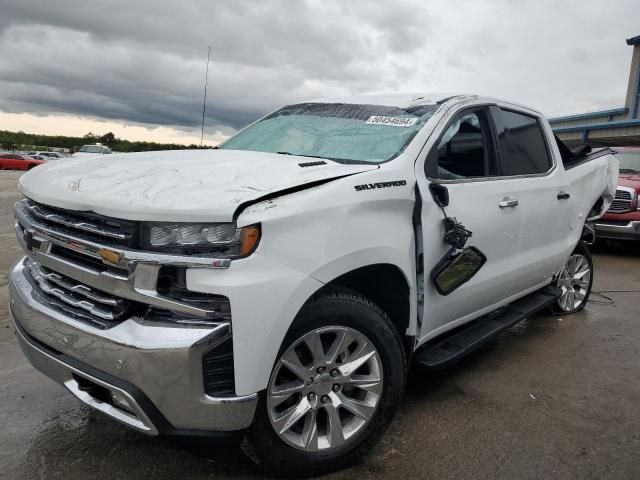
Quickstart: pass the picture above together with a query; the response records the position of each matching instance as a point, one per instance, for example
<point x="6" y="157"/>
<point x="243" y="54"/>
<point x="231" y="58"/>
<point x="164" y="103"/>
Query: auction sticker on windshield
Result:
<point x="391" y="121"/>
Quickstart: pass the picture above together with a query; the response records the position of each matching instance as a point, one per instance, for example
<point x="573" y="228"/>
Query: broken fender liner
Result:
<point x="287" y="191"/>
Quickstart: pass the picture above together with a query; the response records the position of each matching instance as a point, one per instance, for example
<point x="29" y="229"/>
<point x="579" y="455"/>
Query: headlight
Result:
<point x="217" y="239"/>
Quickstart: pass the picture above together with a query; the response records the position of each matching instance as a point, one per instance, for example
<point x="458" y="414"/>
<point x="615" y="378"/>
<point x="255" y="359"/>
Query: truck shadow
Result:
<point x="429" y="385"/>
<point x="79" y="443"/>
<point x="619" y="248"/>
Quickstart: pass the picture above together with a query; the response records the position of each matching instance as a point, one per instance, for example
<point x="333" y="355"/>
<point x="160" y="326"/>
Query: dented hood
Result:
<point x="200" y="185"/>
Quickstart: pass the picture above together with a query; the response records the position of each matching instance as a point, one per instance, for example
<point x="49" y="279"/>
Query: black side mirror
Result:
<point x="440" y="194"/>
<point x="457" y="268"/>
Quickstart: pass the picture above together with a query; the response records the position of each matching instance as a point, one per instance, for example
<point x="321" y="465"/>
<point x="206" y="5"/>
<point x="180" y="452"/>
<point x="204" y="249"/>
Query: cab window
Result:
<point x="464" y="150"/>
<point x="523" y="150"/>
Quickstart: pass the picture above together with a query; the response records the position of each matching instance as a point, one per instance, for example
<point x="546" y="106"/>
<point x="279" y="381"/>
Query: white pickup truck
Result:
<point x="279" y="287"/>
<point x="92" y="151"/>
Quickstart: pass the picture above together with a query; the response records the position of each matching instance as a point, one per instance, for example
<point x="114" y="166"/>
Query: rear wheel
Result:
<point x="573" y="284"/>
<point x="333" y="390"/>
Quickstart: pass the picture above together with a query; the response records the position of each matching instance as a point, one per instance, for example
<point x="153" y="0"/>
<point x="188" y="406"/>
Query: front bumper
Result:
<point x="153" y="368"/>
<point x="617" y="230"/>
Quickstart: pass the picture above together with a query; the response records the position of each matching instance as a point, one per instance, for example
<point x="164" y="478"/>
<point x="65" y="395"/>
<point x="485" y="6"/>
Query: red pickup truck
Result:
<point x="622" y="220"/>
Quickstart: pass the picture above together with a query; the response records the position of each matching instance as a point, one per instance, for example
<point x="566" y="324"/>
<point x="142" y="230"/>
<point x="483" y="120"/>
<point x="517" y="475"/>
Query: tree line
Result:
<point x="29" y="141"/>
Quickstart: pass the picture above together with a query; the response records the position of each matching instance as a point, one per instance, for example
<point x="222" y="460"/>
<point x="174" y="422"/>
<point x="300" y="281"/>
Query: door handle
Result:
<point x="563" y="196"/>
<point x="508" y="202"/>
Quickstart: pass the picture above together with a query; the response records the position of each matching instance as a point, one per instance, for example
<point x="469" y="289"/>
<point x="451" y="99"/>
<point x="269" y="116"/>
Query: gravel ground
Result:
<point x="551" y="398"/>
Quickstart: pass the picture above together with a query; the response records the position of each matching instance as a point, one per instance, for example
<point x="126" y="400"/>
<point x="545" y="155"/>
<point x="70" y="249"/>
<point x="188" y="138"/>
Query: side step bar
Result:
<point x="446" y="350"/>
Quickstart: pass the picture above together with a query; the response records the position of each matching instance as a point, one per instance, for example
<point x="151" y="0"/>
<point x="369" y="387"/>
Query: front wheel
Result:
<point x="574" y="282"/>
<point x="333" y="390"/>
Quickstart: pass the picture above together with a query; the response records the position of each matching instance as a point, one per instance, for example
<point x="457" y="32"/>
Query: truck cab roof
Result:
<point x="405" y="99"/>
<point x="391" y="99"/>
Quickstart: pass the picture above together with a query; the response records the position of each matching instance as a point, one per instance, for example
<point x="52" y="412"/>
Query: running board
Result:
<point x="441" y="352"/>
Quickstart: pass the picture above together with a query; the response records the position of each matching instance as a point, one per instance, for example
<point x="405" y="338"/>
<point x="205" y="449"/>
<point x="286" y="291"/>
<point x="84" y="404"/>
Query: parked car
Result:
<point x="49" y="155"/>
<point x="38" y="157"/>
<point x="622" y="220"/>
<point x="277" y="289"/>
<point x="92" y="151"/>
<point x="16" y="161"/>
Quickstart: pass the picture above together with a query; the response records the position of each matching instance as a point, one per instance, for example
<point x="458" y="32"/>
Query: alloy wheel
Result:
<point x="573" y="283"/>
<point x="325" y="388"/>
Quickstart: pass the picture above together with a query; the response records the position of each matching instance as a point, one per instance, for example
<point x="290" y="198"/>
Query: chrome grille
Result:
<point x="86" y="303"/>
<point x="622" y="201"/>
<point x="91" y="225"/>
<point x="96" y="278"/>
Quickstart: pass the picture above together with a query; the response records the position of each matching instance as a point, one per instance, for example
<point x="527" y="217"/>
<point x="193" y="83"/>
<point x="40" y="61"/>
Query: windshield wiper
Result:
<point x="628" y="170"/>
<point x="352" y="162"/>
<point x="301" y="155"/>
<point x="338" y="160"/>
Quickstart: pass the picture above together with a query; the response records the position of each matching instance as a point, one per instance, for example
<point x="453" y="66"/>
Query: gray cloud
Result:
<point x="143" y="61"/>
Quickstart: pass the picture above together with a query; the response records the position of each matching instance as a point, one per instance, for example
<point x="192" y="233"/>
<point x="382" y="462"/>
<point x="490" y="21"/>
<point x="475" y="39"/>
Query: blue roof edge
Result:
<point x="599" y="126"/>
<point x="601" y="113"/>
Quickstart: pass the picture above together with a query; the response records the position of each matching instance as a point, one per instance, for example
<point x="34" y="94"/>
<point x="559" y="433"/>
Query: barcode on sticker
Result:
<point x="391" y="121"/>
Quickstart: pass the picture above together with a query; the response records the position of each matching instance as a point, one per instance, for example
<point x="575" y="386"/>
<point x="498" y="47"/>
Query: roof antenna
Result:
<point x="204" y="102"/>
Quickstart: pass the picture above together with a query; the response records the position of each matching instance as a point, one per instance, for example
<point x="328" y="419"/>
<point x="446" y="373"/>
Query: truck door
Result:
<point x="539" y="185"/>
<point x="464" y="158"/>
<point x="504" y="187"/>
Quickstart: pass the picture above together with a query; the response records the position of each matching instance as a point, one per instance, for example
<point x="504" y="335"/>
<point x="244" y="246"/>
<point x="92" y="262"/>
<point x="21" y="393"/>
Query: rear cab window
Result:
<point x="521" y="143"/>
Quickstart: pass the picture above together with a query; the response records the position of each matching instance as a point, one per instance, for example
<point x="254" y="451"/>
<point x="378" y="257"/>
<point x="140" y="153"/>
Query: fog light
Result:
<point x="120" y="401"/>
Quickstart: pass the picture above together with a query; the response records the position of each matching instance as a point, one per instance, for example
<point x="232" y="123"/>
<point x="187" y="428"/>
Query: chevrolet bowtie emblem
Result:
<point x="110" y="256"/>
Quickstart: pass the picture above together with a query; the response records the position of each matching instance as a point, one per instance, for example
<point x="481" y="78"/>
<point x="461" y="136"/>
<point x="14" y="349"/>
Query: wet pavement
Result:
<point x="555" y="397"/>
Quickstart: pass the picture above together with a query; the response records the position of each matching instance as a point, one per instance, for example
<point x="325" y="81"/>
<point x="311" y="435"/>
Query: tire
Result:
<point x="572" y="290"/>
<point x="300" y="450"/>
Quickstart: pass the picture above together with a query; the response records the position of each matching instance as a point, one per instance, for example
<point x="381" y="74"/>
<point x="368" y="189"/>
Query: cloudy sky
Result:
<point x="137" y="67"/>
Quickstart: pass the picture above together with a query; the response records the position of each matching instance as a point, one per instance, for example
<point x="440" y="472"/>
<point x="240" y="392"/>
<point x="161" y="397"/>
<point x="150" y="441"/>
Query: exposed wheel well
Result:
<point x="597" y="210"/>
<point x="385" y="285"/>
